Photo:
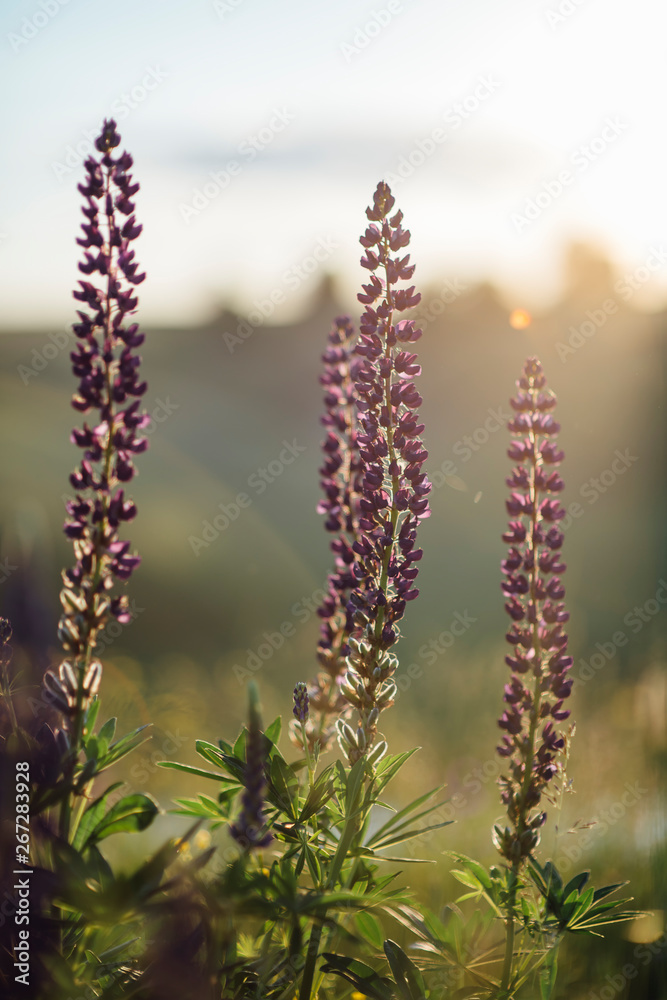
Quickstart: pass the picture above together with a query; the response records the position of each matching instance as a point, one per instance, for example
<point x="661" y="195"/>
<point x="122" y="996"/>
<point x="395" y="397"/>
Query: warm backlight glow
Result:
<point x="520" y="319"/>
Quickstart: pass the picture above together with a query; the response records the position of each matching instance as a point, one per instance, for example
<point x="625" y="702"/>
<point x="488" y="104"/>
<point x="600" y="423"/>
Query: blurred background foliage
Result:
<point x="206" y="619"/>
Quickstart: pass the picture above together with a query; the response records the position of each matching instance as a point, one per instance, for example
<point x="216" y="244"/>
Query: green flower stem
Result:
<point x="309" y="759"/>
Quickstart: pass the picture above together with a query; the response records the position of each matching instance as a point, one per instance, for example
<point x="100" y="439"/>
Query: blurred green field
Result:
<point x="209" y="611"/>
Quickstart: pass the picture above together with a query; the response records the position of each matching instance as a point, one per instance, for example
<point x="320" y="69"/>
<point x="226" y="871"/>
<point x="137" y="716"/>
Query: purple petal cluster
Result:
<point x="394" y="489"/>
<point x="539" y="683"/>
<point x="107" y="366"/>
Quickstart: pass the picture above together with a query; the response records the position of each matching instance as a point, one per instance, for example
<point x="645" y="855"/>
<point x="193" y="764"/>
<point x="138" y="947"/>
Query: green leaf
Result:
<point x="108" y="731"/>
<point x="353" y="785"/>
<point x="313" y="865"/>
<point x="227" y="762"/>
<point x="121" y="748"/>
<point x="408" y="977"/>
<point x="389" y="767"/>
<point x="399" y="838"/>
<point x="91" y="716"/>
<point x="406" y="814"/>
<point x="210" y="753"/>
<point x="475" y="868"/>
<point x="548" y="974"/>
<point x="272" y="732"/>
<point x="320" y="793"/>
<point x="131" y="814"/>
<point x="285" y="786"/>
<point x="92" y="817"/>
<point x="370" y="928"/>
<point x="239" y="746"/>
<point x="577" y="883"/>
<point x="362" y="977"/>
<point x="189" y="769"/>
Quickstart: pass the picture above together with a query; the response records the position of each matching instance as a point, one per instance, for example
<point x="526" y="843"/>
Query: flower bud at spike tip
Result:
<point x="300" y="710"/>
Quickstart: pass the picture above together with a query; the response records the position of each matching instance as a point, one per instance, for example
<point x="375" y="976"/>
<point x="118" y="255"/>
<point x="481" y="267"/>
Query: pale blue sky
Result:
<point x="220" y="72"/>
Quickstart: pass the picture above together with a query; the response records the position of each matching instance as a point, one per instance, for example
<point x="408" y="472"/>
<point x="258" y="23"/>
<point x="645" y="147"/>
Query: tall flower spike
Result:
<point x="394" y="490"/>
<point x="341" y="484"/>
<point x="109" y="387"/>
<point x="250" y="830"/>
<point x="539" y="682"/>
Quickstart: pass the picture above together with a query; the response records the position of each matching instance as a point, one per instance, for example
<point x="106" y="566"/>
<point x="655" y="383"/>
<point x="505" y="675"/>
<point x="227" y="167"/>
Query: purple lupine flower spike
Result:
<point x="250" y="830"/>
<point x="109" y="387"/>
<point x="539" y="682"/>
<point x="341" y="484"/>
<point x="394" y="490"/>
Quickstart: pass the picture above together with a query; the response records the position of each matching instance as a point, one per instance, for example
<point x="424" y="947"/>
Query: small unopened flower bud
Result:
<point x="346" y="733"/>
<point x="91" y="681"/>
<point x="58" y="696"/>
<point x="386" y="696"/>
<point x="68" y="677"/>
<point x="374" y="715"/>
<point x="300" y="710"/>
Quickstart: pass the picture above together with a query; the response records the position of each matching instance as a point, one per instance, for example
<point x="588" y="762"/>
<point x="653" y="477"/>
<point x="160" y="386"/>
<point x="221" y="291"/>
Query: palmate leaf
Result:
<point x="573" y="907"/>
